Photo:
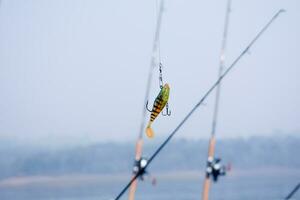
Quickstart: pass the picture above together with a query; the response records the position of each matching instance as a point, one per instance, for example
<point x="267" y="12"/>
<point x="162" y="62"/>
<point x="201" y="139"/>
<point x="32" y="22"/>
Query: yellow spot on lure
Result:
<point x="159" y="104"/>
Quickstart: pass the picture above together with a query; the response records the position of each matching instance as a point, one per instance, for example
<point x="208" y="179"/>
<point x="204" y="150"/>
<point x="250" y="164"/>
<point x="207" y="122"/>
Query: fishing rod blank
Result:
<point x="211" y="161"/>
<point x="221" y="67"/>
<point x="293" y="192"/>
<point x="201" y="101"/>
<point x="139" y="143"/>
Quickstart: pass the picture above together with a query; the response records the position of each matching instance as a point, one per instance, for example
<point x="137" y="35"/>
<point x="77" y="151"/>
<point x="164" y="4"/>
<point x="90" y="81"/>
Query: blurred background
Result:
<point x="73" y="75"/>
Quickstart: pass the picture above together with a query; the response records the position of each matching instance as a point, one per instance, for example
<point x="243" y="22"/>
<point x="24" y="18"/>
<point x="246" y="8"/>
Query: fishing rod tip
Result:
<point x="282" y="10"/>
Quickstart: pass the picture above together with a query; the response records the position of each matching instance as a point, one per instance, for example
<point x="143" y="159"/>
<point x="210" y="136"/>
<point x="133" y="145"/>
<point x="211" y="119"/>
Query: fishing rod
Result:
<point x="139" y="144"/>
<point x="199" y="103"/>
<point x="291" y="194"/>
<point x="213" y="167"/>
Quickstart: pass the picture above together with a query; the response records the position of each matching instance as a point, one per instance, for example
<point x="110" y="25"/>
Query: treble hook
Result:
<point x="164" y="114"/>
<point x="167" y="110"/>
<point x="147" y="107"/>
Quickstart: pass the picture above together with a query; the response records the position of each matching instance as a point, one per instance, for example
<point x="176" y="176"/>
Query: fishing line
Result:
<point x="160" y="78"/>
<point x="158" y="39"/>
<point x="201" y="101"/>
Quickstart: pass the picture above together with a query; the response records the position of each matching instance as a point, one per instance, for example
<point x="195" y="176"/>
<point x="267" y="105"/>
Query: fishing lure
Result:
<point x="158" y="105"/>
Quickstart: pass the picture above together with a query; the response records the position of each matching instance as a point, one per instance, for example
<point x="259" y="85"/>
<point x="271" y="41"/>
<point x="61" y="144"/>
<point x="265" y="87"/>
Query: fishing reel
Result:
<point x="140" y="167"/>
<point x="215" y="169"/>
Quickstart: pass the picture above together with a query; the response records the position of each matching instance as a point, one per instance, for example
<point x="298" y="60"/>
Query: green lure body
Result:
<point x="158" y="105"/>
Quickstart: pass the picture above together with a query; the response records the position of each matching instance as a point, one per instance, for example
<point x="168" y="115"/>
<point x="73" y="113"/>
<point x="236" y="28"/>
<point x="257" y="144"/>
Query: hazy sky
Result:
<point x="77" y="70"/>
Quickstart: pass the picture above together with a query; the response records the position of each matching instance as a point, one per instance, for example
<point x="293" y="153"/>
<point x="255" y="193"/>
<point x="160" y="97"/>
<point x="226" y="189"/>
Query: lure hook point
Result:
<point x="147" y="107"/>
<point x="167" y="110"/>
<point x="166" y="114"/>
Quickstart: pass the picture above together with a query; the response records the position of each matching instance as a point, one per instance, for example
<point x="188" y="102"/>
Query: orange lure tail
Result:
<point x="149" y="132"/>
